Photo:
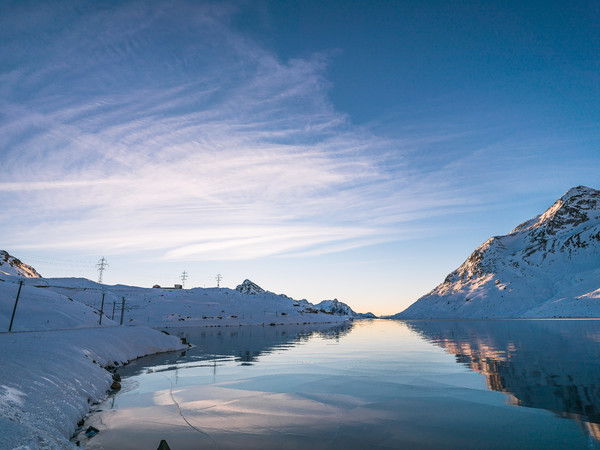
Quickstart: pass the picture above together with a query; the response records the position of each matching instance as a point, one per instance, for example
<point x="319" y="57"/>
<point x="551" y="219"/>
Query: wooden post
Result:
<point x="15" y="308"/>
<point x="101" y="309"/>
<point x="113" y="314"/>
<point x="122" y="310"/>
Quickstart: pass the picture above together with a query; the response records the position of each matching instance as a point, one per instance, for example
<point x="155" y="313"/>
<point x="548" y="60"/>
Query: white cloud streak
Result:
<point x="190" y="142"/>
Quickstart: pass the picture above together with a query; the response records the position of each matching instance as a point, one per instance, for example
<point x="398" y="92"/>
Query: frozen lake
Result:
<point x="383" y="384"/>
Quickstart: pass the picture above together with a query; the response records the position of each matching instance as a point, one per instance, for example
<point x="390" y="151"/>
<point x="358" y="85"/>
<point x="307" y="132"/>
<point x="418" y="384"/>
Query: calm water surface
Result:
<point x="383" y="384"/>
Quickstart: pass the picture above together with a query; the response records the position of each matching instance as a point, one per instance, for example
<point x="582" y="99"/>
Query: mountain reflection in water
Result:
<point x="244" y="344"/>
<point x="545" y="364"/>
<point x="371" y="384"/>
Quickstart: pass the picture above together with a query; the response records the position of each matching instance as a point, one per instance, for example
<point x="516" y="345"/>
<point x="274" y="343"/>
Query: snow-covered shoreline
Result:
<point x="49" y="379"/>
<point x="52" y="364"/>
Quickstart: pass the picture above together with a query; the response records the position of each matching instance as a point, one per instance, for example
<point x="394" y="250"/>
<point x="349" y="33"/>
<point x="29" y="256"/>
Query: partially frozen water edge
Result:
<point x="377" y="383"/>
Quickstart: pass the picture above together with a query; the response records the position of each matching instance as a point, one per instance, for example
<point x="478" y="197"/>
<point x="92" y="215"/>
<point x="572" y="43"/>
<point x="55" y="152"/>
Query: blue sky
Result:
<point x="351" y="149"/>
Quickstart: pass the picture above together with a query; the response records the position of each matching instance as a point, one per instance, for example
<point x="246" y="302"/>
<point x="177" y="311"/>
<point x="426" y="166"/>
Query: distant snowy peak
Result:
<point x="9" y="265"/>
<point x="250" y="288"/>
<point x="538" y="269"/>
<point x="335" y="307"/>
<point x="367" y="315"/>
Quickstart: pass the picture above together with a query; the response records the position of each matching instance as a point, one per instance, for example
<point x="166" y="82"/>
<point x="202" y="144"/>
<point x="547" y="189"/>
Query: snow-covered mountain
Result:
<point x="9" y="265"/>
<point x="548" y="266"/>
<point x="335" y="307"/>
<point x="249" y="288"/>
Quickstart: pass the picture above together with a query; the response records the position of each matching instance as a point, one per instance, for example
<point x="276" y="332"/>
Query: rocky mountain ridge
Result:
<point x="334" y="307"/>
<point x="548" y="266"/>
<point x="9" y="265"/>
<point x="249" y="288"/>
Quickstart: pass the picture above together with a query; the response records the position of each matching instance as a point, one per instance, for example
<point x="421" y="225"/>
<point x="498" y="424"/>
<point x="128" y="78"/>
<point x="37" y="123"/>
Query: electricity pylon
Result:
<point x="102" y="265"/>
<point x="184" y="276"/>
<point x="218" y="278"/>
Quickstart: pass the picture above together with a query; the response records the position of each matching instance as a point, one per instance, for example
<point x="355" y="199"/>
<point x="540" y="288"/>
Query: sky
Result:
<point x="357" y="150"/>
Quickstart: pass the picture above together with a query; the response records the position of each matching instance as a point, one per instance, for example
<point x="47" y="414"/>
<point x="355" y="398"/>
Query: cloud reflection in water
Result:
<point x="374" y="384"/>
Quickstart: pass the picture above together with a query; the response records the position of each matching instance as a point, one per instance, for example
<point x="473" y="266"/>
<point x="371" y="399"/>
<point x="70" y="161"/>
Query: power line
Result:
<point x="184" y="276"/>
<point x="101" y="266"/>
<point x="57" y="262"/>
<point x="218" y="278"/>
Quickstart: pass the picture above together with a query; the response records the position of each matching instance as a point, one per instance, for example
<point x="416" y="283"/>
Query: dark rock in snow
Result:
<point x="91" y="431"/>
<point x="250" y="288"/>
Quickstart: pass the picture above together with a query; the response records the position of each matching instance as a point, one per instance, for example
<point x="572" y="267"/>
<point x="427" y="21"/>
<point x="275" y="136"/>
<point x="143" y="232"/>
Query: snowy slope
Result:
<point x="39" y="308"/>
<point x="51" y="364"/>
<point x="248" y="304"/>
<point x="548" y="266"/>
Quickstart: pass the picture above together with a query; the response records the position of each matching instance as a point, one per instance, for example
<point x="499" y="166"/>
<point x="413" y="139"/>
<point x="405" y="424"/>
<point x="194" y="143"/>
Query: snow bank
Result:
<point x="48" y="379"/>
<point x="51" y="365"/>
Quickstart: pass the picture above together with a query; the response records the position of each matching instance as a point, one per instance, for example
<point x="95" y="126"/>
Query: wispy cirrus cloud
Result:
<point x="137" y="128"/>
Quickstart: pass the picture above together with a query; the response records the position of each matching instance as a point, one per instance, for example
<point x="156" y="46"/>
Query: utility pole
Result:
<point x="218" y="278"/>
<point x="101" y="266"/>
<point x="184" y="276"/>
<point x="15" y="308"/>
<point x="122" y="310"/>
